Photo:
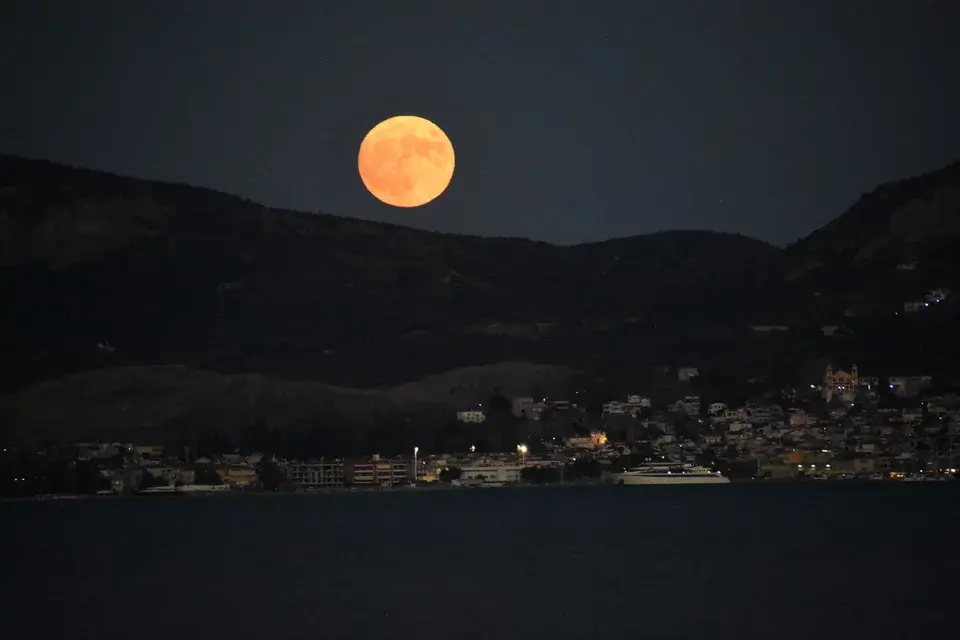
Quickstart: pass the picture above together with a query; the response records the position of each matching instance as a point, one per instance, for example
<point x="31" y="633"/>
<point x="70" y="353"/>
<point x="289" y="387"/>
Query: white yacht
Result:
<point x="669" y="473"/>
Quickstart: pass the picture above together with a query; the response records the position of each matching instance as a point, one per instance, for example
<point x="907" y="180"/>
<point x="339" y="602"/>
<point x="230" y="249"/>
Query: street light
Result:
<point x="473" y="449"/>
<point x="522" y="448"/>
<point x="416" y="450"/>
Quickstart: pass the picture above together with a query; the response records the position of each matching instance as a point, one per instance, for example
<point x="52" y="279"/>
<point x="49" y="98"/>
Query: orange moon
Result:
<point x="406" y="161"/>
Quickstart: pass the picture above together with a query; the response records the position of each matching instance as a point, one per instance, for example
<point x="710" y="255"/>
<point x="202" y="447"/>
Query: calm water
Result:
<point x="737" y="561"/>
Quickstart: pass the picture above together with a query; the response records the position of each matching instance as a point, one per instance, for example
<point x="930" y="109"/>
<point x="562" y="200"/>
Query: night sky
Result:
<point x="572" y="121"/>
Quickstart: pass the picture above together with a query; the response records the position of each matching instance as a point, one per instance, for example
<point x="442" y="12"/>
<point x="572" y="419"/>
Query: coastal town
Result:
<point x="845" y="426"/>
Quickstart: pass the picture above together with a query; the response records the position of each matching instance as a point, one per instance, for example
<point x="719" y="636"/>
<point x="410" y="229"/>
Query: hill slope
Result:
<point x="892" y="246"/>
<point x="110" y="271"/>
<point x="131" y="403"/>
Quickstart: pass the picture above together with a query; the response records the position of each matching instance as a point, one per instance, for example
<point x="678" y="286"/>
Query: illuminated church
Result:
<point x="841" y="383"/>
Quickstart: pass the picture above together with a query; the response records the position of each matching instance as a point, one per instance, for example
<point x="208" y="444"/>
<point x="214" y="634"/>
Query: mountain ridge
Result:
<point x="895" y="215"/>
<point x="18" y="174"/>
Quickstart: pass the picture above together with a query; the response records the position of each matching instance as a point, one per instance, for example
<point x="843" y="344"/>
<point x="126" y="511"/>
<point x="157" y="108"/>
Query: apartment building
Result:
<point x="317" y="474"/>
<point x="377" y="471"/>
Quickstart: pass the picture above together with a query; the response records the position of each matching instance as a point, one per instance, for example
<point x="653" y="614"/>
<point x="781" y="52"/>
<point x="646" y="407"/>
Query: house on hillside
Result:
<point x="937" y="295"/>
<point x="634" y="405"/>
<point x="638" y="401"/>
<point x="595" y="440"/>
<point x="716" y="409"/>
<point x="531" y="409"/>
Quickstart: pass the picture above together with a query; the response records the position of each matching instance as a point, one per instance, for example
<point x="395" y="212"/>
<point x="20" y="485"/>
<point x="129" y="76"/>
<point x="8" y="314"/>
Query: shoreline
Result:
<point x="423" y="489"/>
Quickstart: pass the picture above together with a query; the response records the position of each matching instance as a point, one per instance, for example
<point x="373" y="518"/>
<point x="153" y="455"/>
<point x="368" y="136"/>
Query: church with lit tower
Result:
<point x="840" y="383"/>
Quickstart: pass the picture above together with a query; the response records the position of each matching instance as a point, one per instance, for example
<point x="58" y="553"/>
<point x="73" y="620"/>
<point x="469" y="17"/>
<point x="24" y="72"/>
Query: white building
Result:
<point x="614" y="407"/>
<point x="685" y="374"/>
<point x="731" y="415"/>
<point x="491" y="473"/>
<point x="639" y="401"/>
<point x="471" y="416"/>
<point x="716" y="408"/>
<point x="633" y="406"/>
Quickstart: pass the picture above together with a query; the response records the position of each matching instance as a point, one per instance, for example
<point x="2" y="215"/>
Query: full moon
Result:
<point x="406" y="161"/>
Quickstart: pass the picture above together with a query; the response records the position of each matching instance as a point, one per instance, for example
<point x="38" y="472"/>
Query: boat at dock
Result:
<point x="669" y="473"/>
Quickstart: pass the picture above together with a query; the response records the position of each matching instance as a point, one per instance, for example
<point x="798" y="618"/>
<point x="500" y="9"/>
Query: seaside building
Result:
<point x="237" y="475"/>
<point x="490" y="473"/>
<point x="376" y="471"/>
<point x="316" y="474"/>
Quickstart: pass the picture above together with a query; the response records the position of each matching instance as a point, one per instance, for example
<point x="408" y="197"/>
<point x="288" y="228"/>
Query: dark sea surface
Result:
<point x="734" y="561"/>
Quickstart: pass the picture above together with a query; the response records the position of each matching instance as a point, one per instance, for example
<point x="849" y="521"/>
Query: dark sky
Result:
<point x="572" y="120"/>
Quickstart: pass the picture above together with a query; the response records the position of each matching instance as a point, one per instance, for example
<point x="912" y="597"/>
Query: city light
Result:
<point x="522" y="449"/>
<point x="801" y="443"/>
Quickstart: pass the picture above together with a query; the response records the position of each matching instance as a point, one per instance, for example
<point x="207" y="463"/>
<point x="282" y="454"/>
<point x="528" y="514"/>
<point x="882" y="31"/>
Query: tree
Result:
<point x="148" y="480"/>
<point x="583" y="469"/>
<point x="622" y="463"/>
<point x="642" y="451"/>
<point x="707" y="457"/>
<point x="537" y="392"/>
<point x="618" y="425"/>
<point x="687" y="428"/>
<point x="540" y="475"/>
<point x="491" y="442"/>
<point x="450" y="473"/>
<point x="498" y="405"/>
<point x="270" y="474"/>
<point x="85" y="478"/>
<point x="213" y="442"/>
<point x="205" y="474"/>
